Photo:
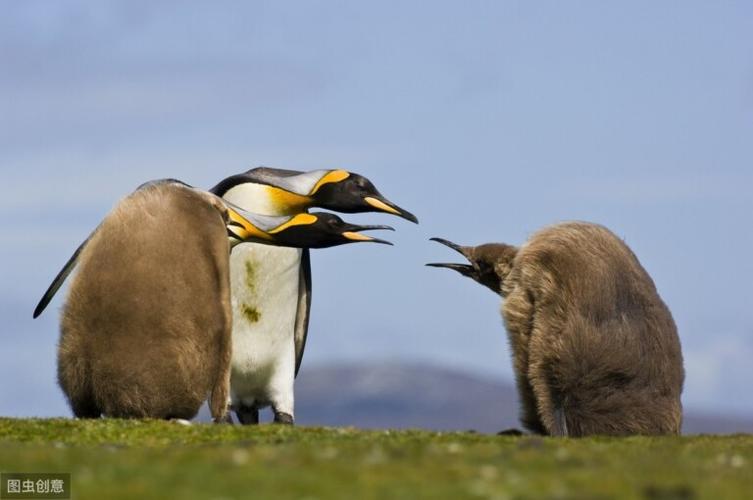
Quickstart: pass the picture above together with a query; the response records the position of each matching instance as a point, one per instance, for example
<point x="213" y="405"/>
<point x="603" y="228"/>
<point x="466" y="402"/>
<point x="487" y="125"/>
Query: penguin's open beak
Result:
<point x="384" y="205"/>
<point x="352" y="232"/>
<point x="464" y="269"/>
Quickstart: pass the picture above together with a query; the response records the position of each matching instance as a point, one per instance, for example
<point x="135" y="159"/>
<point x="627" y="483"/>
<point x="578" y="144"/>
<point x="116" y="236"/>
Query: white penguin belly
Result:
<point x="264" y="282"/>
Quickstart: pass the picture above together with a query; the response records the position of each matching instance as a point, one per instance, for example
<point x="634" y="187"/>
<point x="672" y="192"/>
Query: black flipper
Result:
<point x="304" y="308"/>
<point x="59" y="279"/>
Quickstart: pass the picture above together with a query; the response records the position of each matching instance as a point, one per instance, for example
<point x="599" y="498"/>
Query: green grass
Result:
<point x="111" y="459"/>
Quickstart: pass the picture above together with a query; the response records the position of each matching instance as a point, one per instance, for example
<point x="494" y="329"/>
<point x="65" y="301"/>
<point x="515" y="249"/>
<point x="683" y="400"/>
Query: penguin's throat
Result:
<point x="287" y="203"/>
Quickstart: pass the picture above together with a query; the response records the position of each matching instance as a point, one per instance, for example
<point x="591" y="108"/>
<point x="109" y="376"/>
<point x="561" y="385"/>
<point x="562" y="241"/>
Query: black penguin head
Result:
<point x="321" y="230"/>
<point x="489" y="264"/>
<point x="305" y="230"/>
<point x="291" y="191"/>
<point x="349" y="192"/>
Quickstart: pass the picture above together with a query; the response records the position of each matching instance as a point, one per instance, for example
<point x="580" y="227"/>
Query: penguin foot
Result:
<point x="247" y="415"/>
<point x="226" y="419"/>
<point x="284" y="418"/>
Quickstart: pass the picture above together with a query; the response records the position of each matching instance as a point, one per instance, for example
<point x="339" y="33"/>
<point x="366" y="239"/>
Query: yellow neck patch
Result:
<point x="287" y="203"/>
<point x="330" y="177"/>
<point x="246" y="229"/>
<point x="298" y="220"/>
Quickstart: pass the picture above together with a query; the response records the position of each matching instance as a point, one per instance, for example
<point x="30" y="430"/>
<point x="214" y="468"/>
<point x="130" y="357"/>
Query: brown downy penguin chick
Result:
<point x="145" y="330"/>
<point x="595" y="349"/>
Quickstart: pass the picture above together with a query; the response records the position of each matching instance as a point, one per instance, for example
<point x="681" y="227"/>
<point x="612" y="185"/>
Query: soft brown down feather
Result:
<point x="595" y="349"/>
<point x="145" y="330"/>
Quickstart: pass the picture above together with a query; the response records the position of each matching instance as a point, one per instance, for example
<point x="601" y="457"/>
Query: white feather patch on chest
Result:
<point x="264" y="285"/>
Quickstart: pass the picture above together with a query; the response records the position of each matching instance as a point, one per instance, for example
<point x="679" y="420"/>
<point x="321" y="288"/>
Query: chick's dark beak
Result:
<point x="384" y="205"/>
<point x="464" y="269"/>
<point x="450" y="244"/>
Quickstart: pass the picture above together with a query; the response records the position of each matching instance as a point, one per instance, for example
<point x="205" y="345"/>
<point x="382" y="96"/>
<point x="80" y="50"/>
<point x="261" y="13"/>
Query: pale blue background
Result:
<point x="487" y="119"/>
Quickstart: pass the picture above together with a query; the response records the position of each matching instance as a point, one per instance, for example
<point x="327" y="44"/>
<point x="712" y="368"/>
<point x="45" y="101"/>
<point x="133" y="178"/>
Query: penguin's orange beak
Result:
<point x="384" y="205"/>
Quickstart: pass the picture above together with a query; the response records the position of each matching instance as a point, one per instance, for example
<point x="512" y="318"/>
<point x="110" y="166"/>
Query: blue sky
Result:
<point x="486" y="119"/>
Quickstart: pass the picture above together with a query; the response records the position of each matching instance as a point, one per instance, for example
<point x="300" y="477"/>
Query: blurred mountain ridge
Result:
<point x="398" y="395"/>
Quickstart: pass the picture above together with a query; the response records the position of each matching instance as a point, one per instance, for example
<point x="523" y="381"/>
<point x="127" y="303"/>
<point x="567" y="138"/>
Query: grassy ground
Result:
<point x="153" y="459"/>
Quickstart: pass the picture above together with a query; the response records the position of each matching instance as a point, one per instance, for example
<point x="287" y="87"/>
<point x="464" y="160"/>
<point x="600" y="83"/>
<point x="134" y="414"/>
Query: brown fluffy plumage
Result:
<point x="145" y="330"/>
<point x="595" y="349"/>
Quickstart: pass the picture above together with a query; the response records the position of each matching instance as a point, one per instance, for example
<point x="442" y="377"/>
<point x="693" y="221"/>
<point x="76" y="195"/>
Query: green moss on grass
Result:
<point x="155" y="459"/>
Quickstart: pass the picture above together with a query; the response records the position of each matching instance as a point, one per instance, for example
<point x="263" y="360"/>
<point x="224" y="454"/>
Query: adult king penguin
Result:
<point x="271" y="287"/>
<point x="146" y="327"/>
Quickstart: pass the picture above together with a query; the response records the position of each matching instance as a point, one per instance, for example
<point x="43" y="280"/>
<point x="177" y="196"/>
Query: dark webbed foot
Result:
<point x="247" y="415"/>
<point x="283" y="418"/>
